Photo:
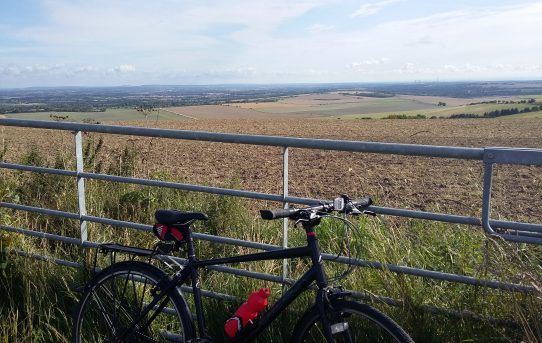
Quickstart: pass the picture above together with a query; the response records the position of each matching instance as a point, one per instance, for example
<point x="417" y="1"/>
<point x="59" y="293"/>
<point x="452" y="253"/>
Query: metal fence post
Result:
<point x="81" y="185"/>
<point x="285" y="205"/>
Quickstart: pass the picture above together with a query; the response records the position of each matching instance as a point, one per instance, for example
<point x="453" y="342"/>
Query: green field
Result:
<point x="447" y="111"/>
<point x="110" y="114"/>
<point x="537" y="114"/>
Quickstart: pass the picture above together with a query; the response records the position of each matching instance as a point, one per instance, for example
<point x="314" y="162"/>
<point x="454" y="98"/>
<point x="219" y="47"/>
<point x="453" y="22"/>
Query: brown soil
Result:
<point x="434" y="184"/>
<point x="217" y="111"/>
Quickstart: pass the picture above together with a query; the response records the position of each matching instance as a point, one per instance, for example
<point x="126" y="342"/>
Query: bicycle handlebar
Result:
<point x="325" y="207"/>
<point x="363" y="202"/>
<point x="277" y="213"/>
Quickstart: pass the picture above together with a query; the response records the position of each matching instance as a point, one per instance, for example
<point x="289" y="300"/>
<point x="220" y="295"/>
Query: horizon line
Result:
<point x="276" y="84"/>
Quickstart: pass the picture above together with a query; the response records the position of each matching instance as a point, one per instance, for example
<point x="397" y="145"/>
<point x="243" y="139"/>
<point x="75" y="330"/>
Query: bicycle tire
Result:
<point x="116" y="296"/>
<point x="364" y="324"/>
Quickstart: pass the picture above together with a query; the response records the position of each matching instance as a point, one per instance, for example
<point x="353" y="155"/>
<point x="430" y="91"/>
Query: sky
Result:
<point x="135" y="42"/>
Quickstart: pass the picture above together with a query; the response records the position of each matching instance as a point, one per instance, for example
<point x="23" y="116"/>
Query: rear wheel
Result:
<point x="116" y="297"/>
<point x="350" y="322"/>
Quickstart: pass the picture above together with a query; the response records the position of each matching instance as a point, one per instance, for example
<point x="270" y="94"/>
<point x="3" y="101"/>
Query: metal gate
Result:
<point x="508" y="230"/>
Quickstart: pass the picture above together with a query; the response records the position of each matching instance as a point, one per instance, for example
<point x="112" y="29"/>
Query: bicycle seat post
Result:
<point x="195" y="283"/>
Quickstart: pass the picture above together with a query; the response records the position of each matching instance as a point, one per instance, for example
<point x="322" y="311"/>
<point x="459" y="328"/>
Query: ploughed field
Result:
<point x="430" y="184"/>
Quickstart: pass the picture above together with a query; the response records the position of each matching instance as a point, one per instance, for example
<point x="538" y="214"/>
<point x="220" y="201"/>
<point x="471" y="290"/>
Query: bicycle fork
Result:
<point x="333" y="322"/>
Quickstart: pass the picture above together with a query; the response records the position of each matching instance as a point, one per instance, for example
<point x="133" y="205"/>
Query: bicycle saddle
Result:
<point x="170" y="217"/>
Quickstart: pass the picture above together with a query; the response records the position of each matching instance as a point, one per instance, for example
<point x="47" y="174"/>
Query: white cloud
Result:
<point x="370" y="62"/>
<point x="86" y="69"/>
<point x="408" y="67"/>
<point x="123" y="68"/>
<point x="372" y="8"/>
<point x="15" y="70"/>
<point x="138" y="23"/>
<point x="491" y="43"/>
<point x="40" y="70"/>
<point x="9" y="70"/>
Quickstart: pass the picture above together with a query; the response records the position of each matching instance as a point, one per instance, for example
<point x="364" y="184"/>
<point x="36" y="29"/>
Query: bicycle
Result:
<point x="132" y="301"/>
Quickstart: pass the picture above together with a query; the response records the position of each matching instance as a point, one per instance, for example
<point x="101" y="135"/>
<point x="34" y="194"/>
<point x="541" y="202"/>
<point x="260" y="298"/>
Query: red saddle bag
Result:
<point x="168" y="233"/>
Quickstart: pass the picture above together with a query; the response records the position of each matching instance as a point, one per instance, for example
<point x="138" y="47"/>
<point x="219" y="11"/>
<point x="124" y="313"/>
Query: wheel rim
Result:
<point x="116" y="300"/>
<point x="349" y="325"/>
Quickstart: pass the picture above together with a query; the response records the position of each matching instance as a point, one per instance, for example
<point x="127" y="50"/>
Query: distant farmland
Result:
<point x="351" y="106"/>
<point x="330" y="105"/>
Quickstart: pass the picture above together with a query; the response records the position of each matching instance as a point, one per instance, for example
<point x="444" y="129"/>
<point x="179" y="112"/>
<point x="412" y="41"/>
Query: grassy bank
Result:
<point x="38" y="298"/>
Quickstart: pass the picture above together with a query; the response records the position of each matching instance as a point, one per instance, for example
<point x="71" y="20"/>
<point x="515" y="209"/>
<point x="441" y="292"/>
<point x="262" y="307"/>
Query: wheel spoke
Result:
<point x="121" y="295"/>
<point x="104" y="312"/>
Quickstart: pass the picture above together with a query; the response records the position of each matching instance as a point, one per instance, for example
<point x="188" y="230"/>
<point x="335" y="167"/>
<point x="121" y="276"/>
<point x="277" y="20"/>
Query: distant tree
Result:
<point x="146" y="110"/>
<point x="404" y="116"/>
<point x="464" y="115"/>
<point x="57" y="117"/>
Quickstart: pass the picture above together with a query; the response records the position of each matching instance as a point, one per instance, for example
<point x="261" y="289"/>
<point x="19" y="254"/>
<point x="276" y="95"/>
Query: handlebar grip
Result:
<point x="363" y="202"/>
<point x="276" y="213"/>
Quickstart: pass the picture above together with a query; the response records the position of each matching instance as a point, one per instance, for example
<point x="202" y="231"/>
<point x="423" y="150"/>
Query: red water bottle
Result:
<point x="247" y="312"/>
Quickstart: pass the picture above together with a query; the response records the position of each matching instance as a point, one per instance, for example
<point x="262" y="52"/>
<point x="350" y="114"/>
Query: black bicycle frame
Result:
<point x="315" y="273"/>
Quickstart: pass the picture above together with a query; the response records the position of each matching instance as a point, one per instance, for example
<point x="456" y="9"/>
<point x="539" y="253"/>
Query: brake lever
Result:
<point x="351" y="210"/>
<point x="306" y="217"/>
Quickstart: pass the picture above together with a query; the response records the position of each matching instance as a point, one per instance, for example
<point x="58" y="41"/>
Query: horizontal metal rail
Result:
<point x="442" y="217"/>
<point x="469" y="280"/>
<point x="34" y="169"/>
<point x="293" y="142"/>
<point x="219" y="239"/>
<point x="59" y="261"/>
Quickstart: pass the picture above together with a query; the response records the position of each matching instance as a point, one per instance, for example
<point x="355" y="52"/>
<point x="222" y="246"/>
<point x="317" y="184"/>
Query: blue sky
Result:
<point x="133" y="42"/>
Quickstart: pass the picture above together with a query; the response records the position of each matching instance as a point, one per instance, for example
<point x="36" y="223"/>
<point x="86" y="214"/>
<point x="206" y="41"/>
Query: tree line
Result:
<point x="524" y="101"/>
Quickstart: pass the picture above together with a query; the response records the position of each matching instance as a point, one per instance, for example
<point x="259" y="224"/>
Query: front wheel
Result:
<point x="350" y="322"/>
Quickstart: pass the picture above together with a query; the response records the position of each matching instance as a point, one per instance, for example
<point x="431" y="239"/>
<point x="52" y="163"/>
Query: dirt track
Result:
<point x="445" y="185"/>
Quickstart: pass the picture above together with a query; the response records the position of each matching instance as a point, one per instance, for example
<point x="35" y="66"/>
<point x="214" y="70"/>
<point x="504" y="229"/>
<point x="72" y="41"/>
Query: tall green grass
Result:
<point x="37" y="297"/>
